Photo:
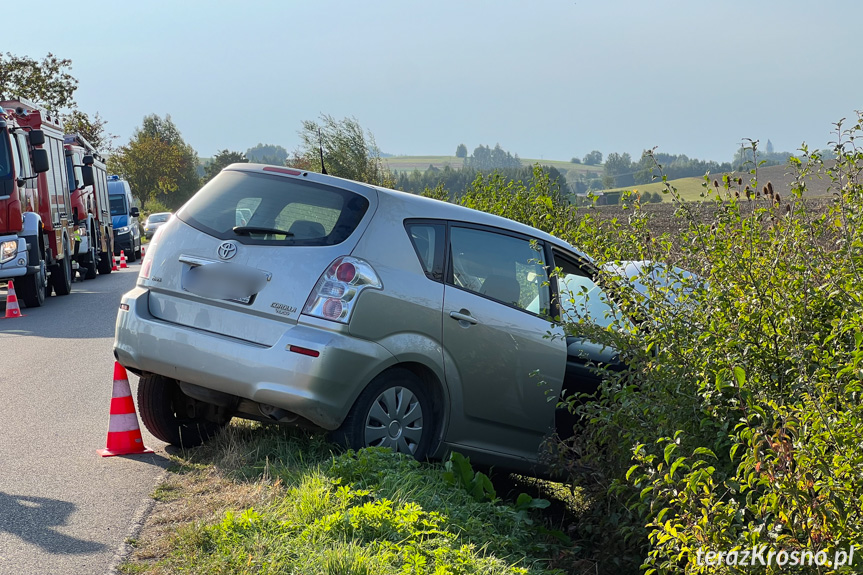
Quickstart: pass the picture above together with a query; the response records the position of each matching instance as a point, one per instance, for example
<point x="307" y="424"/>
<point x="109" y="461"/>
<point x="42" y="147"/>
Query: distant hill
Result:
<point x="422" y="163"/>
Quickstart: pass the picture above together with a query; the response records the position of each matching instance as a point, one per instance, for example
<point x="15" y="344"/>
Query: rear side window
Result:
<point x="273" y="210"/>
<point x="428" y="241"/>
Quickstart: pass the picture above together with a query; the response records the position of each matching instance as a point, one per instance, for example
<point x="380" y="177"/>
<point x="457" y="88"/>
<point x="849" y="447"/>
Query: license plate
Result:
<point x="224" y="282"/>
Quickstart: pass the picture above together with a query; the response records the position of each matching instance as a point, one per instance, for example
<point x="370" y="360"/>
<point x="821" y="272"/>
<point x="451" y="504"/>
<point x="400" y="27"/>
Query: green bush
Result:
<point x="738" y="422"/>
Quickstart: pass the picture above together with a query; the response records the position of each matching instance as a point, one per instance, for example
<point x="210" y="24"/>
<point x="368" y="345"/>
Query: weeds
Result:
<point x="373" y="511"/>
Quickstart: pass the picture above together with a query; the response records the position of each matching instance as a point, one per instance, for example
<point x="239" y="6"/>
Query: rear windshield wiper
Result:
<point x="246" y="230"/>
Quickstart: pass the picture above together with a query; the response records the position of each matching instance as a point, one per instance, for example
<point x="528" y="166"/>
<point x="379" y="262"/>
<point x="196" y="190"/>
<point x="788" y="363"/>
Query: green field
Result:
<point x="690" y="189"/>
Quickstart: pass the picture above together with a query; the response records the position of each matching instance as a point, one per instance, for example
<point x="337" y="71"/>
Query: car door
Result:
<point x="580" y="300"/>
<point x="504" y="359"/>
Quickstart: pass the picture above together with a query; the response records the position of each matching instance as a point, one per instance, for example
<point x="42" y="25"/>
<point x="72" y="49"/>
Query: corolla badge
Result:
<point x="227" y="250"/>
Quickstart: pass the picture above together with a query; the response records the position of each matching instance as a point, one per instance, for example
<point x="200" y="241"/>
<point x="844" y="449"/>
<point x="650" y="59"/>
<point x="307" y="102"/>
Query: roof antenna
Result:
<point x="321" y="150"/>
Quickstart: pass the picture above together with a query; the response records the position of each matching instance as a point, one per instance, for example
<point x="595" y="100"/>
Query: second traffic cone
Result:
<point x="123" y="259"/>
<point x="124" y="435"/>
<point x="114" y="267"/>
<point x="12" y="307"/>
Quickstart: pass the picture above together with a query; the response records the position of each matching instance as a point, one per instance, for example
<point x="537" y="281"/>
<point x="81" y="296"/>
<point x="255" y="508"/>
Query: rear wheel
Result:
<point x="34" y="288"/>
<point x="105" y="260"/>
<point x="93" y="258"/>
<point x="61" y="273"/>
<point x="171" y="415"/>
<point x="394" y="411"/>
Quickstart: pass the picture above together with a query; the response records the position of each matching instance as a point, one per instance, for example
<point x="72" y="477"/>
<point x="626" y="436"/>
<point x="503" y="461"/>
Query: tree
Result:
<point x="223" y="158"/>
<point x="461" y="151"/>
<point x="48" y="82"/>
<point x="620" y="167"/>
<point x="267" y="154"/>
<point x="487" y="159"/>
<point x="348" y="150"/>
<point x="770" y="149"/>
<point x="93" y="130"/>
<point x="593" y="158"/>
<point x="158" y="163"/>
<point x="575" y="160"/>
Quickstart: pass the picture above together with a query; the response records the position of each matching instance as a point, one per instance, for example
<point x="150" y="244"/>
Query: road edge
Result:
<point x="124" y="549"/>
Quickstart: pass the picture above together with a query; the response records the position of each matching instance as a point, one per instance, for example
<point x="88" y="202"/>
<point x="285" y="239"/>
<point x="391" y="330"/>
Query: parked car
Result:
<point x="386" y="318"/>
<point x="154" y="222"/>
<point x="124" y="218"/>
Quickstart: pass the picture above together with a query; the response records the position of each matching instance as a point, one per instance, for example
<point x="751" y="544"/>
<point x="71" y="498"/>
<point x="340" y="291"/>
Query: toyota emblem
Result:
<point x="227" y="250"/>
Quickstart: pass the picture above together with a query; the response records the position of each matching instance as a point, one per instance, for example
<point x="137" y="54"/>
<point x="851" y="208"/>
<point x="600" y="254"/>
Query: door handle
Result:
<point x="463" y="315"/>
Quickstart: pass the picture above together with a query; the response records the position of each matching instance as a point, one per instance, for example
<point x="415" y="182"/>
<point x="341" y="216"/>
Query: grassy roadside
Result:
<point x="274" y="500"/>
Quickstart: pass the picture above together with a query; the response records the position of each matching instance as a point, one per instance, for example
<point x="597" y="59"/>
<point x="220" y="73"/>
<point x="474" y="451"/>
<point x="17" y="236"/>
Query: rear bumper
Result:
<point x="320" y="389"/>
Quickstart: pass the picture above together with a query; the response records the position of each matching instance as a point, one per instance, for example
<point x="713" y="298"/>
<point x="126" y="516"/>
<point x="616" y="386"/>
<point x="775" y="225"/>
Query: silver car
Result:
<point x="154" y="222"/>
<point x="387" y="318"/>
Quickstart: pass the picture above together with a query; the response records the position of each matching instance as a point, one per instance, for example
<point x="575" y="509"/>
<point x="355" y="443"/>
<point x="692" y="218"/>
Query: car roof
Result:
<point x="411" y="205"/>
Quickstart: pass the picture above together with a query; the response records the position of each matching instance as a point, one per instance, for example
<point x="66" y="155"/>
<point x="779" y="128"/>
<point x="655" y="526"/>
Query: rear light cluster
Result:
<point x="147" y="263"/>
<point x="336" y="292"/>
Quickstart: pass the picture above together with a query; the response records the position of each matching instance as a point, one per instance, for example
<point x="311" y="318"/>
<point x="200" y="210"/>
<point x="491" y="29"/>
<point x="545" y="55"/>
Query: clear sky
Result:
<point x="546" y="79"/>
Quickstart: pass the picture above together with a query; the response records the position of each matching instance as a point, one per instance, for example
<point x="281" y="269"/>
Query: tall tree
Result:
<point x="48" y="82"/>
<point x="267" y="154"/>
<point x="461" y="151"/>
<point x="348" y="150"/>
<point x="223" y="158"/>
<point x="93" y="130"/>
<point x="158" y="163"/>
<point x="619" y="167"/>
<point x="593" y="158"/>
<point x="488" y="159"/>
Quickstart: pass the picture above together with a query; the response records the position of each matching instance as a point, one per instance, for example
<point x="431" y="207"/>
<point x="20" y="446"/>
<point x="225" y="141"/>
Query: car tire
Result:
<point x="33" y="288"/>
<point x="93" y="262"/>
<point x="61" y="273"/>
<point x="394" y="411"/>
<point x="163" y="405"/>
<point x="105" y="261"/>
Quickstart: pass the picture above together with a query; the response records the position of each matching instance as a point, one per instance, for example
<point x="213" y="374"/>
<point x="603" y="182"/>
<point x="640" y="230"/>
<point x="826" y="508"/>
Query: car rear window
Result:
<point x="305" y="213"/>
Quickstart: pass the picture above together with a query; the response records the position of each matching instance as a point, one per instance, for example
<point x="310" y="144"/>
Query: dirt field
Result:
<point x="662" y="218"/>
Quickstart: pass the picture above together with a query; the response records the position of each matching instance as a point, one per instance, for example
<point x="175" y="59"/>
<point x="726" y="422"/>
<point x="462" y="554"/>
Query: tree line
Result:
<point x="164" y="170"/>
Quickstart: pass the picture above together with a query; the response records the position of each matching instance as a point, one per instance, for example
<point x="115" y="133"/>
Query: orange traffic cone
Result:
<point x="142" y="250"/>
<point x="123" y="259"/>
<point x="114" y="267"/>
<point x="124" y="435"/>
<point x="12" y="307"/>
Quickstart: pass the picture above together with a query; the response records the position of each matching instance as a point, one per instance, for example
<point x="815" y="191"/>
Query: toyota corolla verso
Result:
<point x="386" y="318"/>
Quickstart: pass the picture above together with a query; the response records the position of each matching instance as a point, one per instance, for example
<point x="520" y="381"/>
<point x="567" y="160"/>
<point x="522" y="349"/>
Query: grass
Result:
<point x="274" y="500"/>
<point x="690" y="189"/>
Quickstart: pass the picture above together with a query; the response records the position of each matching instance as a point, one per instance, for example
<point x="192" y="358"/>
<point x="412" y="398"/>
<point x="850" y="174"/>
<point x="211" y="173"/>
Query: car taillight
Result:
<point x="148" y="250"/>
<point x="336" y="292"/>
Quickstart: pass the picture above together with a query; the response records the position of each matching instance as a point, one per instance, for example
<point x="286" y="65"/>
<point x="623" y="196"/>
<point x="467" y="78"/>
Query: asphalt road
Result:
<point x="63" y="508"/>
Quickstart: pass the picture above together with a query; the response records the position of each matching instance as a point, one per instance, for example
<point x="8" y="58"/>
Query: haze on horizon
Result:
<point x="548" y="79"/>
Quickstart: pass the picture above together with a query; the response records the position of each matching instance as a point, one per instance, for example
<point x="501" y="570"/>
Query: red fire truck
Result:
<point x="91" y="209"/>
<point x="35" y="206"/>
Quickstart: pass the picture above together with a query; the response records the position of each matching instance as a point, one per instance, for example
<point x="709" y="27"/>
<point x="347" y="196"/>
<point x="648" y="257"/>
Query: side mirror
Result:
<point x="37" y="137"/>
<point x="88" y="160"/>
<point x="134" y="212"/>
<point x="39" y="160"/>
<point x="87" y="174"/>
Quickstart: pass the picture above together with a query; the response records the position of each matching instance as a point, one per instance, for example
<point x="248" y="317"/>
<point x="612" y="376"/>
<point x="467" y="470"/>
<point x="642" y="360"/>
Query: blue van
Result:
<point x="124" y="217"/>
